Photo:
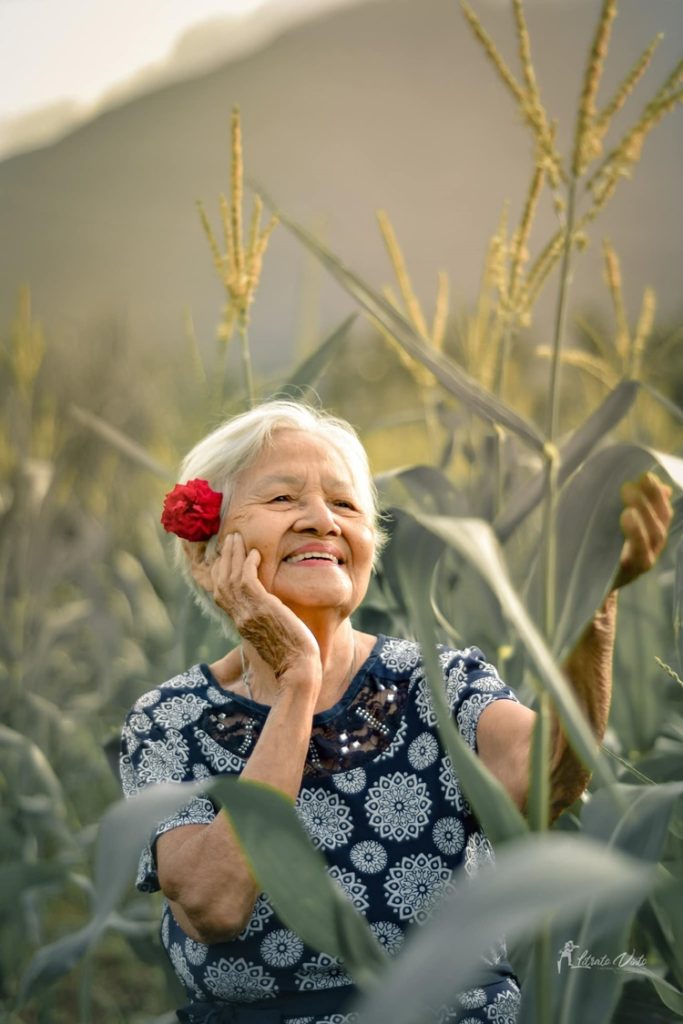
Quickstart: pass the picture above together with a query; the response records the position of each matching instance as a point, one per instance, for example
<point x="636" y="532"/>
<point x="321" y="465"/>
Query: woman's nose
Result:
<point x="317" y="515"/>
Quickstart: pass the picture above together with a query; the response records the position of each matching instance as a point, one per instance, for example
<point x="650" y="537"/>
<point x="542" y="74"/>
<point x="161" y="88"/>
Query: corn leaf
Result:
<point x="475" y="541"/>
<point x="124" y="831"/>
<point x="307" y="373"/>
<point x="669" y="994"/>
<point x="416" y="553"/>
<point x="117" y="439"/>
<point x="539" y="769"/>
<point x="588" y="524"/>
<point x="17" y="878"/>
<point x="294" y="875"/>
<point x="422" y="488"/>
<point x="288" y="866"/>
<point x="634" y="820"/>
<point x="674" y="410"/>
<point x="451" y="377"/>
<point x="573" y="450"/>
<point x="534" y="878"/>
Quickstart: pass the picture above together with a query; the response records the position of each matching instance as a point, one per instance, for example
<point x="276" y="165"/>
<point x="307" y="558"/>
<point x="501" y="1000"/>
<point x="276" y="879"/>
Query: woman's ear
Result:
<point x="195" y="552"/>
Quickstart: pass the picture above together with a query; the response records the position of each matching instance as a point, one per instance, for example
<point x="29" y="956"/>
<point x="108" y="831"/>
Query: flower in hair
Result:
<point x="192" y="510"/>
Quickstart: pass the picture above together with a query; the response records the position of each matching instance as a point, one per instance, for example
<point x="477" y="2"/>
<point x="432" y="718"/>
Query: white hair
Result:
<point x="221" y="456"/>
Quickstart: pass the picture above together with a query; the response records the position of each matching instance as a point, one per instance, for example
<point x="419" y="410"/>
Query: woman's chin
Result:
<point x="315" y="596"/>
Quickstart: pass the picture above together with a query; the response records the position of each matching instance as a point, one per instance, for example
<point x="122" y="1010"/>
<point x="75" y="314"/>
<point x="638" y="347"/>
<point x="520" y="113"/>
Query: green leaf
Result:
<point x="294" y="875"/>
<point x="634" y="819"/>
<point x="419" y="488"/>
<point x="118" y="440"/>
<point x="669" y="994"/>
<point x="416" y="553"/>
<point x="666" y="403"/>
<point x="539" y="769"/>
<point x="17" y="878"/>
<point x="676" y="822"/>
<point x="310" y="370"/>
<point x="534" y="878"/>
<point x="124" y="831"/>
<point x="33" y="764"/>
<point x="666" y="904"/>
<point x="451" y="377"/>
<point x="476" y="542"/>
<point x="573" y="450"/>
<point x="588" y="524"/>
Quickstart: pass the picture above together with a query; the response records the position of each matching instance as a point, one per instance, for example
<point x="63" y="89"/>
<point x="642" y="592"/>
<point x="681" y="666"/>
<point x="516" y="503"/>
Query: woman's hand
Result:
<point x="645" y="524"/>
<point x="202" y="868"/>
<point x="279" y="637"/>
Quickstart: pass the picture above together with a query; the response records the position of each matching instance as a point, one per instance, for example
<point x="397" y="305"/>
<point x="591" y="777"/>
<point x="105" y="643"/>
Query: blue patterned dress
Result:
<point x="379" y="797"/>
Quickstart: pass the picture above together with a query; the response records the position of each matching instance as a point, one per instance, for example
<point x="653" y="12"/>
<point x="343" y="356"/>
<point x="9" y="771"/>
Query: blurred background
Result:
<point x="114" y="121"/>
<point x="346" y="107"/>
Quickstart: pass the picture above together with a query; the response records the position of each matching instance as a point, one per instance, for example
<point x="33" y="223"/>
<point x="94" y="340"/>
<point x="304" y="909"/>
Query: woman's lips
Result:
<point x="312" y="558"/>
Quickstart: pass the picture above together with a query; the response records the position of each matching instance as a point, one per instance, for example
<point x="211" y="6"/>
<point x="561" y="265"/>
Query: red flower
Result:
<point x="192" y="510"/>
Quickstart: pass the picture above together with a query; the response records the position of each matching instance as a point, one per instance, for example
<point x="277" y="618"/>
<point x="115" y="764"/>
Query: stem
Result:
<point x="540" y="787"/>
<point x="625" y="763"/>
<point x="431" y="418"/>
<point x="550" y="543"/>
<point x="550" y="507"/>
<point x="246" y="366"/>
<point x="539" y="821"/>
<point x="499" y="470"/>
<point x="542" y="986"/>
<point x="502" y="358"/>
<point x="218" y="387"/>
<point x="499" y="433"/>
<point x="560" y="313"/>
<point x="539" y="784"/>
<point x="85" y="989"/>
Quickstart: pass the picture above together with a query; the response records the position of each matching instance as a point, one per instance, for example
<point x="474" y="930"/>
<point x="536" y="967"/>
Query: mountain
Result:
<point x="386" y="105"/>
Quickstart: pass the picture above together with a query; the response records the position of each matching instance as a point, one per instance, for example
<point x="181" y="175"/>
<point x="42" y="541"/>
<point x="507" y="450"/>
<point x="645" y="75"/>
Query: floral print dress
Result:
<point x="379" y="797"/>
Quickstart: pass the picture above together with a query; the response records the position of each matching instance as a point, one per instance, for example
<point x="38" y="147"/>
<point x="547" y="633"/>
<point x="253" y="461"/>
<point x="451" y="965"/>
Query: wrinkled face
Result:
<point x="298" y="505"/>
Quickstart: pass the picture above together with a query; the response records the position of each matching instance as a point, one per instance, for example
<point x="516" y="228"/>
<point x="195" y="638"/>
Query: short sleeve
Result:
<point x="471" y="685"/>
<point x="150" y="754"/>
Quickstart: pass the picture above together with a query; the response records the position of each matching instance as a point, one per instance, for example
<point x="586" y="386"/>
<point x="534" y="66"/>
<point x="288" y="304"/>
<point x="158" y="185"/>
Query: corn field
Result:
<point x="503" y="507"/>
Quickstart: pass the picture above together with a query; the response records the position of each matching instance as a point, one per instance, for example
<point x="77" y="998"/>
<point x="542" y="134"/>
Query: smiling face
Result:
<point x="298" y="505"/>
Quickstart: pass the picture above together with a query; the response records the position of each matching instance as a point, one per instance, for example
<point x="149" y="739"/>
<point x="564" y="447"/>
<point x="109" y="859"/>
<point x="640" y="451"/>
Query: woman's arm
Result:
<point x="589" y="671"/>
<point x="505" y="729"/>
<point x="202" y="869"/>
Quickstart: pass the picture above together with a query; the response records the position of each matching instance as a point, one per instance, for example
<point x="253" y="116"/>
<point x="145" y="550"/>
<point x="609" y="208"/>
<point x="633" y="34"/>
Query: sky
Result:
<point x="62" y="58"/>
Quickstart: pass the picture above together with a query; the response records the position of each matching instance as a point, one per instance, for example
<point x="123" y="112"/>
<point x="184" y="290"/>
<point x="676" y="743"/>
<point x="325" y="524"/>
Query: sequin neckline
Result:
<point x="358" y="727"/>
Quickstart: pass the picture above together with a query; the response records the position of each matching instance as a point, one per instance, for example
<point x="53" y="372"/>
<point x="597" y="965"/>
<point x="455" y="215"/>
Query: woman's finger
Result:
<point x="649" y="489"/>
<point x="645" y="523"/>
<point x="659" y="498"/>
<point x="249" y="578"/>
<point x="252" y="562"/>
<point x="237" y="556"/>
<point x="650" y="498"/>
<point x="649" y="519"/>
<point x="639" y="553"/>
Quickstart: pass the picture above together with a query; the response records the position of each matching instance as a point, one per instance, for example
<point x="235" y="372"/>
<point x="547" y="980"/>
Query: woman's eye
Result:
<point x="281" y="497"/>
<point x="343" y="503"/>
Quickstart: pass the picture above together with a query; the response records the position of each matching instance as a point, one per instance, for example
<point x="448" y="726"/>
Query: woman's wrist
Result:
<point x="298" y="687"/>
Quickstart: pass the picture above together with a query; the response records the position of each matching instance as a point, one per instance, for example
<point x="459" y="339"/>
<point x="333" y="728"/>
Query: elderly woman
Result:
<point x="280" y="529"/>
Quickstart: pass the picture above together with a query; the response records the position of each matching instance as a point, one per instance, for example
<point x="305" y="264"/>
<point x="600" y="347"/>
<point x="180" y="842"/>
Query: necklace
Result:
<point x="351" y="670"/>
<point x="246" y="671"/>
